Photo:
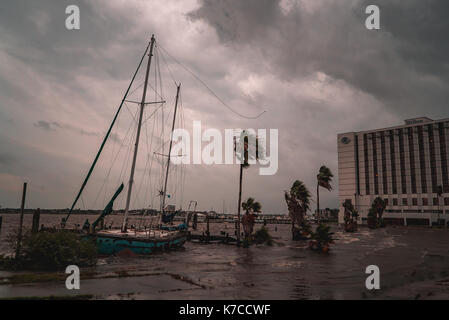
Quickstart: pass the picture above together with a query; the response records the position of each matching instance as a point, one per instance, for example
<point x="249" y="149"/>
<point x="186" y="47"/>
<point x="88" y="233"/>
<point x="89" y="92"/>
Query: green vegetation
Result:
<point x="350" y="216"/>
<point x="375" y="214"/>
<point x="262" y="236"/>
<point x="251" y="207"/>
<point x="51" y="251"/>
<point x="321" y="238"/>
<point x="245" y="152"/>
<point x="324" y="179"/>
<point x="298" y="201"/>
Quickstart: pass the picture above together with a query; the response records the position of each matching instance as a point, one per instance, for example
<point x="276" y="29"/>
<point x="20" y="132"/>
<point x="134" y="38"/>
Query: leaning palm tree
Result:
<point x="251" y="207"/>
<point x="298" y="203"/>
<point x="324" y="179"/>
<point x="245" y="152"/>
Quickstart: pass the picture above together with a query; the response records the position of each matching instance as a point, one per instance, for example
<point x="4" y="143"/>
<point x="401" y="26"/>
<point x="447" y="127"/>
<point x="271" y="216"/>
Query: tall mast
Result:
<point x="136" y="146"/>
<point x="169" y="151"/>
<point x="106" y="137"/>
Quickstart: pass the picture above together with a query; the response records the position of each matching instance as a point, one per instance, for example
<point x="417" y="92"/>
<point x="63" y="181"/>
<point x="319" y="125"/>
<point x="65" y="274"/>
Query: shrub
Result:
<point x="322" y="238"/>
<point x="262" y="236"/>
<point x="55" y="250"/>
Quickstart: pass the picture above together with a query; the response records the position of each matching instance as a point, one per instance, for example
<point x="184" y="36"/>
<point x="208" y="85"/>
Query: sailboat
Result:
<point x="145" y="240"/>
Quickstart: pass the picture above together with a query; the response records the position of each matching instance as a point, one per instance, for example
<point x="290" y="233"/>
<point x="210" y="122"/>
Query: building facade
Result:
<point x="407" y="166"/>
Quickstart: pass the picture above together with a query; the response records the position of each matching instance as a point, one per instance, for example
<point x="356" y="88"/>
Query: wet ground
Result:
<point x="413" y="262"/>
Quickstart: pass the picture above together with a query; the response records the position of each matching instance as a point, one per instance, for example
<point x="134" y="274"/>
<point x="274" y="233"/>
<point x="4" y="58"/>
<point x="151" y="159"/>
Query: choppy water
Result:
<point x="411" y="261"/>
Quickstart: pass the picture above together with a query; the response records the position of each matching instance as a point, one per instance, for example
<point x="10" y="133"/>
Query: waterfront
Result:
<point x="413" y="263"/>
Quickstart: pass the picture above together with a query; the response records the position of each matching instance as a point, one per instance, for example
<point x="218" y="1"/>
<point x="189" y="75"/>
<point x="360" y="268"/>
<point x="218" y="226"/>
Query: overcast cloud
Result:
<point x="311" y="65"/>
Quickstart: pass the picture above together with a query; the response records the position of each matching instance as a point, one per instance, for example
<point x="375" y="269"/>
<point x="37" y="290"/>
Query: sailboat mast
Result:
<point x="136" y="145"/>
<point x="169" y="151"/>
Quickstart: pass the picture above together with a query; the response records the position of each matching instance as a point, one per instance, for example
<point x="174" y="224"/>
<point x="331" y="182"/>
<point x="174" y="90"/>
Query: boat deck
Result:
<point x="141" y="234"/>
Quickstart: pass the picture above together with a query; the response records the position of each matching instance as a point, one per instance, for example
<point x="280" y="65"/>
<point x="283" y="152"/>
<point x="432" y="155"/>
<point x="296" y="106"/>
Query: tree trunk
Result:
<point x="239" y="205"/>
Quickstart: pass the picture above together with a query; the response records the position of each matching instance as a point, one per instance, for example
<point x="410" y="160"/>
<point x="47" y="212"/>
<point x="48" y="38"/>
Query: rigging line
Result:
<point x="82" y="201"/>
<point x="153" y="112"/>
<point x="168" y="68"/>
<point x="113" y="159"/>
<point x="129" y="94"/>
<point x="160" y="76"/>
<point x="155" y="91"/>
<point x="211" y="91"/>
<point x="155" y="72"/>
<point x="139" y="189"/>
<point x="127" y="108"/>
<point x="106" y="137"/>
<point x="125" y="164"/>
<point x="145" y="177"/>
<point x="181" y="121"/>
<point x="152" y="160"/>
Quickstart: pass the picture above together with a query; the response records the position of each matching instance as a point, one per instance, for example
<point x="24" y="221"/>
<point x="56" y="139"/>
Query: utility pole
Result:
<point x="22" y="207"/>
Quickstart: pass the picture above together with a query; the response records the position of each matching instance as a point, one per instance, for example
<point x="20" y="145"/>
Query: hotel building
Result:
<point x="407" y="166"/>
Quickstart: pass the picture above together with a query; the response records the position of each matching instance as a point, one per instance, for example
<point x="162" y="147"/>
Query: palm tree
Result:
<point x="322" y="238"/>
<point x="324" y="179"/>
<point x="251" y="207"/>
<point x="379" y="206"/>
<point x="245" y="153"/>
<point x="298" y="203"/>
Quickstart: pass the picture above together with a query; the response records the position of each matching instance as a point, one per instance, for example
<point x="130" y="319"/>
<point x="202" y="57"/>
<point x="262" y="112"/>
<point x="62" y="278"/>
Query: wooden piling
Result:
<point x="22" y="207"/>
<point x="36" y="218"/>
<point x="1" y="218"/>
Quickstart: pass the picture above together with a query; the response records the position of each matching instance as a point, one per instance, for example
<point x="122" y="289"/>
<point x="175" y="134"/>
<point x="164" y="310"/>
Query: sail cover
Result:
<point x="108" y="209"/>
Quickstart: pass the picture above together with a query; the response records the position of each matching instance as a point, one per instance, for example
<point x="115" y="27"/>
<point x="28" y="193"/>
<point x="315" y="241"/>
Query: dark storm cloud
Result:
<point x="405" y="64"/>
<point x="52" y="126"/>
<point x="45" y="125"/>
<point x="310" y="64"/>
<point x="44" y="38"/>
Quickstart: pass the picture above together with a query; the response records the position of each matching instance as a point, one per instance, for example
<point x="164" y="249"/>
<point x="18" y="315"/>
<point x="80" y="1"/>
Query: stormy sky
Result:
<point x="310" y="64"/>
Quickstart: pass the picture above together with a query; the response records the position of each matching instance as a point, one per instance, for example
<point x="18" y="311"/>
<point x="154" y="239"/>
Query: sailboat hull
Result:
<point x="113" y="242"/>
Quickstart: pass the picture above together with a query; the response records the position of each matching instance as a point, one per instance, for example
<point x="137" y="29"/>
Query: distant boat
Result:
<point x="144" y="240"/>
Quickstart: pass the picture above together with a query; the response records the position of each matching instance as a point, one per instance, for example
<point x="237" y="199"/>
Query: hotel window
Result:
<point x="375" y="168"/>
<point x="415" y="201"/>
<point x="402" y="161"/>
<point x="425" y="202"/>
<point x="386" y="201"/>
<point x="422" y="160"/>
<point x="384" y="163"/>
<point x="443" y="154"/>
<point x="395" y="202"/>
<point x="404" y="202"/>
<point x="435" y="201"/>
<point x="393" y="163"/>
<point x="446" y="201"/>
<point x="365" y="148"/>
<point x="411" y="148"/>
<point x="433" y="162"/>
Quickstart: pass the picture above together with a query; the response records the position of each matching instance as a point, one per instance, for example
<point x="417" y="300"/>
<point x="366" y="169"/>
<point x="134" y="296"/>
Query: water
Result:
<point x="413" y="263"/>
